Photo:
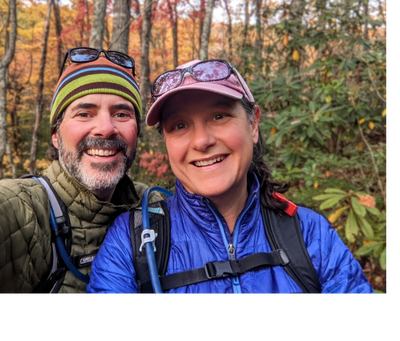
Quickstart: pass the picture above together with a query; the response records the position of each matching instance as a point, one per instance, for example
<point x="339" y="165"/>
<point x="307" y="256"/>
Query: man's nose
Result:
<point x="202" y="138"/>
<point x="104" y="126"/>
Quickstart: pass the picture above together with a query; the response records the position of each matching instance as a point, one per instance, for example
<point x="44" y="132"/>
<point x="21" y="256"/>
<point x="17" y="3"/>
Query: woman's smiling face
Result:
<point x="209" y="141"/>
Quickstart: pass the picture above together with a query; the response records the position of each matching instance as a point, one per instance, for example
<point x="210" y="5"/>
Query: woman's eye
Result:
<point x="179" y="126"/>
<point x="122" y="115"/>
<point x="219" y="117"/>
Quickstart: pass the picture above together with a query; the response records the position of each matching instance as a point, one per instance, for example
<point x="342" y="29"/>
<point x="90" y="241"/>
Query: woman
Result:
<point x="210" y="123"/>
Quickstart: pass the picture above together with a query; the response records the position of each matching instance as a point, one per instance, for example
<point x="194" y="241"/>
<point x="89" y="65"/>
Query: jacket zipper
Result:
<point x="231" y="247"/>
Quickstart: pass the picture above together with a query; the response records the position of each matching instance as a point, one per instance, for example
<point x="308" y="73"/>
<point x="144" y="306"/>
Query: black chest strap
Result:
<point x="283" y="233"/>
<point x="218" y="270"/>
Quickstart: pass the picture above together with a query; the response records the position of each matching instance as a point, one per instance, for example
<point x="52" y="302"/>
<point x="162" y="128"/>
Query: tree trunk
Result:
<point x="57" y="21"/>
<point x="205" y="34"/>
<point x="97" y="32"/>
<point x="228" y="12"/>
<point x="145" y="47"/>
<point x="246" y="21"/>
<point x="366" y="13"/>
<point x="201" y="16"/>
<point x="39" y="98"/>
<point x="121" y="22"/>
<point x="174" y="24"/>
<point x="10" y="159"/>
<point x="4" y="63"/>
<point x="259" y="40"/>
<point x="137" y="17"/>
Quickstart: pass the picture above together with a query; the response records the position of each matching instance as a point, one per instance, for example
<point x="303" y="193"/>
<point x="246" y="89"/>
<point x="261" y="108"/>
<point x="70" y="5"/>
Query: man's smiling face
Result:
<point x="97" y="141"/>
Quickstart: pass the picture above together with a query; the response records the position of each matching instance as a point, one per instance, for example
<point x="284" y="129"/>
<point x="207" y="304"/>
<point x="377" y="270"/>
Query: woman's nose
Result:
<point x="104" y="126"/>
<point x="202" y="138"/>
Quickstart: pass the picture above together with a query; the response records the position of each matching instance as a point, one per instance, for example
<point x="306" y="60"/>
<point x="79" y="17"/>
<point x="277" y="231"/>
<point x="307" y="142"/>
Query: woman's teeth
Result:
<point x="209" y="162"/>
<point x="101" y="152"/>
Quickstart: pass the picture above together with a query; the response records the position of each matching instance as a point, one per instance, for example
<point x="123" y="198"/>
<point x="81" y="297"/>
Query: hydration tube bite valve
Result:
<point x="148" y="238"/>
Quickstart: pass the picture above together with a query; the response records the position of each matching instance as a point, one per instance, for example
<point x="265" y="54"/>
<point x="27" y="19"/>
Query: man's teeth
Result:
<point x="101" y="152"/>
<point x="209" y="162"/>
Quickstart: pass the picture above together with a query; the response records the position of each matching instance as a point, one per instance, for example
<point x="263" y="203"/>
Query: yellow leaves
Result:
<point x="360" y="146"/>
<point x="42" y="163"/>
<point x="371" y="125"/>
<point x="328" y="99"/>
<point x="286" y="40"/>
<point x="368" y="242"/>
<point x="148" y="128"/>
<point x="334" y="216"/>
<point x="273" y="131"/>
<point x="316" y="184"/>
<point x="384" y="112"/>
<point x="295" y="55"/>
<point x="151" y="152"/>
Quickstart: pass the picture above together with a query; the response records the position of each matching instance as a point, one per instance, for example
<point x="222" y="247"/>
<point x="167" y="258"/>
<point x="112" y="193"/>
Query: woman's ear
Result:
<point x="54" y="139"/>
<point x="255" y="124"/>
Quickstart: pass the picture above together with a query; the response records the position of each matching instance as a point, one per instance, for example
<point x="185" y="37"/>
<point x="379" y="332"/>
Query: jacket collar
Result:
<point x="196" y="208"/>
<point x="83" y="204"/>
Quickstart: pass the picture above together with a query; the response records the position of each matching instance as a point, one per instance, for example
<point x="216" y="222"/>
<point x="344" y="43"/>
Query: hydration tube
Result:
<point x="54" y="225"/>
<point x="148" y="238"/>
<point x="63" y="252"/>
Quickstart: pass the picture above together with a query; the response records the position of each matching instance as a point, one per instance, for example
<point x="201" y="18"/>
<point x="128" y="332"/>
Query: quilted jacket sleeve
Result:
<point x="338" y="270"/>
<point x="25" y="237"/>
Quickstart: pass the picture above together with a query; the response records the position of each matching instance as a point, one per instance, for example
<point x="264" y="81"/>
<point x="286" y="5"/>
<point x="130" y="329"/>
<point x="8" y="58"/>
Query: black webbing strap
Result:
<point x="217" y="270"/>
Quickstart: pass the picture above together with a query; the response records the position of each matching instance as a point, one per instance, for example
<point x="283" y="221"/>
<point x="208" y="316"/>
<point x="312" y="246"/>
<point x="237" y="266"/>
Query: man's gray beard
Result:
<point x="105" y="179"/>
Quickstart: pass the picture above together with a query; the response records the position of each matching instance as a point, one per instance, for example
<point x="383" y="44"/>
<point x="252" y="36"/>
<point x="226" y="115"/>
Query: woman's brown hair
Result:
<point x="258" y="166"/>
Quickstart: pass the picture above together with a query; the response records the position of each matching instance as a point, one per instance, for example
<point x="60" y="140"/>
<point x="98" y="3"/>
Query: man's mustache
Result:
<point x="97" y="142"/>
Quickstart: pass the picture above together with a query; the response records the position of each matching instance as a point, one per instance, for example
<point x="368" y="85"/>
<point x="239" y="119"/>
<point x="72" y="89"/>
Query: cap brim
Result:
<point x="153" y="115"/>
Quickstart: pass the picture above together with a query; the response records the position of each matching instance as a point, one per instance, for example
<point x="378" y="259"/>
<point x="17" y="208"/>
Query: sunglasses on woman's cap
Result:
<point x="204" y="71"/>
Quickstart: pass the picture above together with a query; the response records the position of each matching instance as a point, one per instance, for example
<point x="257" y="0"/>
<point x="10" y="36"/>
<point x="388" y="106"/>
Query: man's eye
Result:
<point x="83" y="114"/>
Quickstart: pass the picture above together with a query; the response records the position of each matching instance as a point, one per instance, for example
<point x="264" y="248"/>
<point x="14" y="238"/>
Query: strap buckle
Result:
<point x="284" y="257"/>
<point x="147" y="237"/>
<point x="216" y="270"/>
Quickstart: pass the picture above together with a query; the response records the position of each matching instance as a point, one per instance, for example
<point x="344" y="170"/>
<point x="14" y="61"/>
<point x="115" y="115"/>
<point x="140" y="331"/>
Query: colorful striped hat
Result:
<point x="98" y="77"/>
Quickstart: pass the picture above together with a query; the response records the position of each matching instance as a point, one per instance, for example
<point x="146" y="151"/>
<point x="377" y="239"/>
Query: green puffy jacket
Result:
<point x="25" y="234"/>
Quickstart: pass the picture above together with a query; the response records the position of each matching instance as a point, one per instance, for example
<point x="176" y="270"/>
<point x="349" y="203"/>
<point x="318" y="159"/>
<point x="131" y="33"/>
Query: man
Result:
<point x="95" y="122"/>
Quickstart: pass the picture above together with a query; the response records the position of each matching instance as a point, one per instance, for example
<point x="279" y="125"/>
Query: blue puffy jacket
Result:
<point x="199" y="234"/>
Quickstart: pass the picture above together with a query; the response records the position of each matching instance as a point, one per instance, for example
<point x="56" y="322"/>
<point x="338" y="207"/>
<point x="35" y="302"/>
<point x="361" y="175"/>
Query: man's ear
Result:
<point x="54" y="139"/>
<point x="255" y="125"/>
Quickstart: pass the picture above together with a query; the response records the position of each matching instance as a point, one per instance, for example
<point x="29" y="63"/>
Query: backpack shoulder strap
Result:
<point x="160" y="223"/>
<point x="283" y="232"/>
<point x="61" y="233"/>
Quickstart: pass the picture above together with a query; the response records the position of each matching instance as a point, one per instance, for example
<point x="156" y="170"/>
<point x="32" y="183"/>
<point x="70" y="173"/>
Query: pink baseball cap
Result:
<point x="229" y="87"/>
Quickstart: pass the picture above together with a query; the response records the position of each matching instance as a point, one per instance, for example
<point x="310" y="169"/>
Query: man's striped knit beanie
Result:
<point x="98" y="77"/>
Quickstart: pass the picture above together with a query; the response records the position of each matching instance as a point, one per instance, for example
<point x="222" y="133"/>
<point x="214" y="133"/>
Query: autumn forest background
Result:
<point x="317" y="68"/>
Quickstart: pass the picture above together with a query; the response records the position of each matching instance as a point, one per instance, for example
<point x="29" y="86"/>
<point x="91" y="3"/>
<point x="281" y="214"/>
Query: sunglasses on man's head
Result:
<point x="205" y="71"/>
<point x="88" y="54"/>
